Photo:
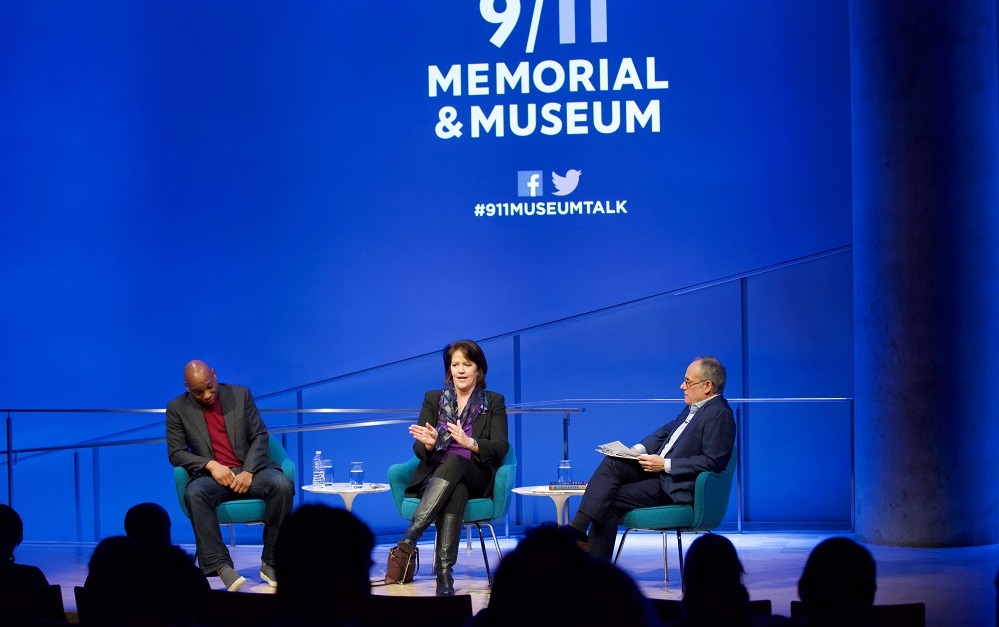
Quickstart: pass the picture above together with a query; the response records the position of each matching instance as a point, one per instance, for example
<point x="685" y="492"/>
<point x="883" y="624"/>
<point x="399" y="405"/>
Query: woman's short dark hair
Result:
<point x="471" y="350"/>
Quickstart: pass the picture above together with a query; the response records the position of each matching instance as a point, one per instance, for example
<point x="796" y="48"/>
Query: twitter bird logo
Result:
<point x="565" y="185"/>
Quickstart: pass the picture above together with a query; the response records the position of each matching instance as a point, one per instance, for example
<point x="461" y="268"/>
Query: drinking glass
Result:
<point x="564" y="471"/>
<point x="328" y="471"/>
<point x="357" y="475"/>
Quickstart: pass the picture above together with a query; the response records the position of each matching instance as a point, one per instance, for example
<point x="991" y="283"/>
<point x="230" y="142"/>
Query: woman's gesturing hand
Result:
<point x="458" y="434"/>
<point x="425" y="434"/>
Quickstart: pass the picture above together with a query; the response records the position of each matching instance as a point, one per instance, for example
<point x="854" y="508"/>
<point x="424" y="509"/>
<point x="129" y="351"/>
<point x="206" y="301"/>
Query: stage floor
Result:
<point x="957" y="585"/>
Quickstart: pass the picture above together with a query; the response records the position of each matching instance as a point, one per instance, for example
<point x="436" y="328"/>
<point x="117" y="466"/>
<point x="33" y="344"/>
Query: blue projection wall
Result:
<point x="297" y="191"/>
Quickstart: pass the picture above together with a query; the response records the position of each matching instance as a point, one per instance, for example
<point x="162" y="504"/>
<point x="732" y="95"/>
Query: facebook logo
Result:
<point x="529" y="183"/>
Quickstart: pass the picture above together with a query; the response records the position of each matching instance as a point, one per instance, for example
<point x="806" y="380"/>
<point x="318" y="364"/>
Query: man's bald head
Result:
<point x="201" y="382"/>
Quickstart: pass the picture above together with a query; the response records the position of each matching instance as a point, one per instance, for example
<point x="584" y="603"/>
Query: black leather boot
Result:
<point x="431" y="502"/>
<point x="448" y="539"/>
<point x="437" y="551"/>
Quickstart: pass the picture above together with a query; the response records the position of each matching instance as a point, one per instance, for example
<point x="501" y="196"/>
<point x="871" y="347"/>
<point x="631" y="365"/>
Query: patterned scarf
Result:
<point x="448" y="412"/>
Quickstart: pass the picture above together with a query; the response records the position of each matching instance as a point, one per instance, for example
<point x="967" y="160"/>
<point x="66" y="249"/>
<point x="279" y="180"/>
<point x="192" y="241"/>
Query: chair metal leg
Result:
<point x="499" y="552"/>
<point x="620" y="547"/>
<point x="482" y="541"/>
<point x="679" y="550"/>
<point x="232" y="531"/>
<point x="624" y="536"/>
<point x="665" y="560"/>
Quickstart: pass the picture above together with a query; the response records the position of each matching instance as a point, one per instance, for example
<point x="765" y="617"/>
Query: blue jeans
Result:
<point x="204" y="494"/>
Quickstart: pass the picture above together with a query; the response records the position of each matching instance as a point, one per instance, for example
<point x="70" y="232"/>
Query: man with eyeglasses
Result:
<point x="667" y="462"/>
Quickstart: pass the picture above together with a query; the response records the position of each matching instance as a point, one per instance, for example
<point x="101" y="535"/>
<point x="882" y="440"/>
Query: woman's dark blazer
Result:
<point x="489" y="429"/>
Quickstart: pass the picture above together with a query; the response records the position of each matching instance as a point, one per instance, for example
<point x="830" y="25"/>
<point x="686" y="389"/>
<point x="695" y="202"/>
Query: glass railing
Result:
<point x="532" y="424"/>
<point x="843" y="417"/>
<point x="130" y="437"/>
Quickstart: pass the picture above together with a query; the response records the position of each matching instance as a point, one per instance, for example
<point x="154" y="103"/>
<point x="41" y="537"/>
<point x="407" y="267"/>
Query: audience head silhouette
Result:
<point x="547" y="579"/>
<point x="838" y="583"/>
<point x="713" y="590"/>
<point x="323" y="557"/>
<point x="115" y="596"/>
<point x="180" y="592"/>
<point x="112" y="590"/>
<point x="148" y="524"/>
<point x="11" y="534"/>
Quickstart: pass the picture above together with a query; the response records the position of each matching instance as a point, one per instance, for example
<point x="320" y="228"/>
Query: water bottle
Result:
<point x="318" y="475"/>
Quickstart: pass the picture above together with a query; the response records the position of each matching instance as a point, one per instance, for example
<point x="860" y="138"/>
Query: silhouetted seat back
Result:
<point x="669" y="609"/>
<point x="84" y="606"/>
<point x="891" y="615"/>
<point x="227" y="609"/>
<point x="31" y="605"/>
<point x="391" y="611"/>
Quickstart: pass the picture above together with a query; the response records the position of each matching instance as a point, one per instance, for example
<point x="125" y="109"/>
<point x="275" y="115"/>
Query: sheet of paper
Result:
<point x="617" y="449"/>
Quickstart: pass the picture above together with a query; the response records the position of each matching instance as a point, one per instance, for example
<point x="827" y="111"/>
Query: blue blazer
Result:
<point x="706" y="444"/>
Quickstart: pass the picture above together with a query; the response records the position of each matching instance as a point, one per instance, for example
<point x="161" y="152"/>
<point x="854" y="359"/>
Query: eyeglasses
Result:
<point x="688" y="384"/>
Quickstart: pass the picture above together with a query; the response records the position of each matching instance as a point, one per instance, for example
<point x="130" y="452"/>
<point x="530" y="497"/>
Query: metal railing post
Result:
<point x="565" y="436"/>
<point x="10" y="461"/>
<point x="76" y="495"/>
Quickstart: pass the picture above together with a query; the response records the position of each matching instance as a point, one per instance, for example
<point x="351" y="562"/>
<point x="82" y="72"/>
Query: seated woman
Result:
<point x="11" y="534"/>
<point x="460" y="441"/>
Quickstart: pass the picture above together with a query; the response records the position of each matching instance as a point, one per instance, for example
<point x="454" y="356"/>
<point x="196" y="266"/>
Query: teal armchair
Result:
<point x="712" y="491"/>
<point x="478" y="512"/>
<point x="248" y="511"/>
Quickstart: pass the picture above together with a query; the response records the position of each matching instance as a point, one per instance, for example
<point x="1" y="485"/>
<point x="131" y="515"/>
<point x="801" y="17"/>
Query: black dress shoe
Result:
<point x="582" y="540"/>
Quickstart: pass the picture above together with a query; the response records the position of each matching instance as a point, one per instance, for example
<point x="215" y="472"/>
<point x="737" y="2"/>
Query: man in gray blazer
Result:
<point x="667" y="463"/>
<point x="214" y="431"/>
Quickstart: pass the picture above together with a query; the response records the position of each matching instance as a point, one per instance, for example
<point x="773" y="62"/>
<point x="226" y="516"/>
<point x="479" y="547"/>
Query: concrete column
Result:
<point x="925" y="116"/>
